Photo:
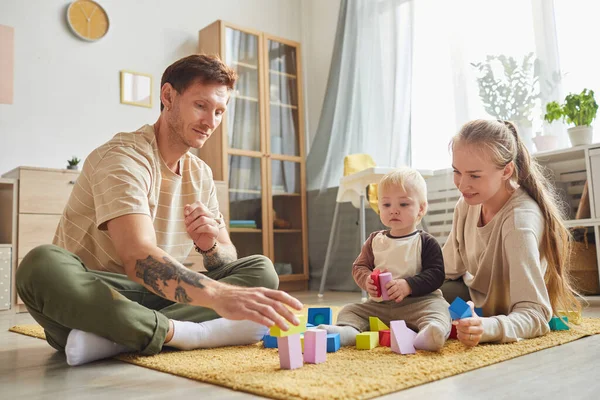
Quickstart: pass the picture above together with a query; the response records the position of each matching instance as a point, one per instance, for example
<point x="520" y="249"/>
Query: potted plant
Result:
<point x="509" y="90"/>
<point x="73" y="163"/>
<point x="548" y="142"/>
<point x="579" y="110"/>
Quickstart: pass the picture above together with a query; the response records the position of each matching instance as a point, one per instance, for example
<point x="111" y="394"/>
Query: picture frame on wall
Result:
<point x="136" y="89"/>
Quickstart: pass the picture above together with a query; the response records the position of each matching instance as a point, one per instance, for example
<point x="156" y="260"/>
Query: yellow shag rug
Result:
<point x="347" y="374"/>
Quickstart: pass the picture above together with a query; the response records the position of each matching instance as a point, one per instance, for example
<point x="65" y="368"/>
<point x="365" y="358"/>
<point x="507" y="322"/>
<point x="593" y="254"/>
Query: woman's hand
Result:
<point x="469" y="330"/>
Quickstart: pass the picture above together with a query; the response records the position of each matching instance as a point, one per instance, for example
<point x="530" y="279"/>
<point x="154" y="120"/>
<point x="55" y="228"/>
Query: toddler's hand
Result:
<point x="398" y="289"/>
<point x="371" y="288"/>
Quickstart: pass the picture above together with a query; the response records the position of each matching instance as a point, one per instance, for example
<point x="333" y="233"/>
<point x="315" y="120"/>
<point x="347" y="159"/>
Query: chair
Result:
<point x="360" y="175"/>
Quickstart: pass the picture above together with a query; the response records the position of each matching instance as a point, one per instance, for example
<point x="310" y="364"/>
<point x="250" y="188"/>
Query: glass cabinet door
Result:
<point x="243" y="113"/>
<point x="245" y="205"/>
<point x="283" y="98"/>
<point x="287" y="217"/>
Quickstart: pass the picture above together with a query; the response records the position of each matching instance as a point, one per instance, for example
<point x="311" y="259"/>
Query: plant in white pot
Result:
<point x="73" y="163"/>
<point x="549" y="142"/>
<point x="579" y="110"/>
<point x="509" y="90"/>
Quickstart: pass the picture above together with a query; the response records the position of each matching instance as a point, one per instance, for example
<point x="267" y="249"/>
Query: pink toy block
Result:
<point x="290" y="351"/>
<point x="383" y="280"/>
<point x="402" y="338"/>
<point x="384" y="338"/>
<point x="315" y="346"/>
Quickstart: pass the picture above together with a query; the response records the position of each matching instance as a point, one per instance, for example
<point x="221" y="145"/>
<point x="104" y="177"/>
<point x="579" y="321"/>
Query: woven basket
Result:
<point x="584" y="265"/>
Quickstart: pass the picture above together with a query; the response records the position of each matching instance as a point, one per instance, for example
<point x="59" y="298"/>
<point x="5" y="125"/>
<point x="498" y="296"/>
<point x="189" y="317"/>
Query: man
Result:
<point x="113" y="280"/>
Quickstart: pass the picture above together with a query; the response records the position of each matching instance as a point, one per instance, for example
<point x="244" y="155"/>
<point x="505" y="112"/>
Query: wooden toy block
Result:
<point x="559" y="324"/>
<point x="573" y="316"/>
<point x="333" y="342"/>
<point x="270" y="342"/>
<point x="290" y="353"/>
<point x="315" y="346"/>
<point x="459" y="309"/>
<point x="367" y="340"/>
<point x="384" y="278"/>
<point x="308" y="326"/>
<point x="375" y="278"/>
<point x="479" y="311"/>
<point x="453" y="333"/>
<point x="384" y="338"/>
<point x="402" y="338"/>
<point x="318" y="316"/>
<point x="293" y="329"/>
<point x="376" y="325"/>
<point x="302" y="343"/>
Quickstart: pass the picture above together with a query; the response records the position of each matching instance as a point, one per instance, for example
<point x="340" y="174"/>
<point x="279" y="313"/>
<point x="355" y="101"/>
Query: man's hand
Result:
<point x="261" y="305"/>
<point x="201" y="225"/>
<point x="398" y="289"/>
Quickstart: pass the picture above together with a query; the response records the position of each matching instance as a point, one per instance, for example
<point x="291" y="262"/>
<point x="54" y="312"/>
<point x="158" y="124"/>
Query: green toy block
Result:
<point x="559" y="324"/>
<point x="375" y="325"/>
<point x="367" y="340"/>
<point x="301" y="328"/>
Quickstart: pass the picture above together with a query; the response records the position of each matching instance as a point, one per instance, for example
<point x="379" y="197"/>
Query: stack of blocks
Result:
<point x="314" y="343"/>
<point x="400" y="338"/>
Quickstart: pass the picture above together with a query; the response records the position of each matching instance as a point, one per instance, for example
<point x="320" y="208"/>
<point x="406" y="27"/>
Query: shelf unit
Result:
<point x="259" y="147"/>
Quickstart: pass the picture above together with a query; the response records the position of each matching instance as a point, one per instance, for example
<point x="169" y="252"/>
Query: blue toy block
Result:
<point x="270" y="342"/>
<point x="318" y="316"/>
<point x="333" y="342"/>
<point x="459" y="309"/>
<point x="309" y="325"/>
<point x="479" y="311"/>
<point x="559" y="324"/>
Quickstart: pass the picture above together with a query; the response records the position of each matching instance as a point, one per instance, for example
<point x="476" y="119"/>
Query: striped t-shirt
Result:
<point x="127" y="175"/>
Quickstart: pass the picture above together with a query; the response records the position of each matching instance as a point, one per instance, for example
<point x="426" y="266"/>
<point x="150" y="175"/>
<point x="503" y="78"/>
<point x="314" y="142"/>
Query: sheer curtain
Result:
<point x="367" y="104"/>
<point x="367" y="109"/>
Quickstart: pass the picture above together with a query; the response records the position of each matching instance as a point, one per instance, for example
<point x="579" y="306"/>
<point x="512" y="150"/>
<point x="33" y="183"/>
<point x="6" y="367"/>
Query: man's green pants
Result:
<point x="62" y="294"/>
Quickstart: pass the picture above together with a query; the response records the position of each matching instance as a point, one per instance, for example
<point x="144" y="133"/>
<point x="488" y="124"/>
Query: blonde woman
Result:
<point x="508" y="249"/>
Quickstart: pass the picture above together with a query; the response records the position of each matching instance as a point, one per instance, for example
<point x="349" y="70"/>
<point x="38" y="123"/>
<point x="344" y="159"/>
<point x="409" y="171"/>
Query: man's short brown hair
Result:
<point x="203" y="67"/>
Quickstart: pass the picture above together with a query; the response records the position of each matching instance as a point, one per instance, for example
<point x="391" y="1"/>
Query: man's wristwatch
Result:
<point x="203" y="252"/>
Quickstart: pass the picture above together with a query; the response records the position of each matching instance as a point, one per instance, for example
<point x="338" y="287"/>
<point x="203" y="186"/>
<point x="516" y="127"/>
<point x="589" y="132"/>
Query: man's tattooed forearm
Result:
<point x="223" y="255"/>
<point x="154" y="272"/>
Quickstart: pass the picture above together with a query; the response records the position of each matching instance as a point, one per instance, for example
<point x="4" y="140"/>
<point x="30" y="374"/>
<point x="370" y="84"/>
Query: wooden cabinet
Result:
<point x="259" y="148"/>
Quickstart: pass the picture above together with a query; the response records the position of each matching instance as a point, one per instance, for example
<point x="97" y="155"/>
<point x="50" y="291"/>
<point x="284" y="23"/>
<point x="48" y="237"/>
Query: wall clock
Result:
<point x="88" y="20"/>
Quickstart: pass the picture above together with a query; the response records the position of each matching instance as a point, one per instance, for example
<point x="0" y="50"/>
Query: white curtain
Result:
<point x="368" y="103"/>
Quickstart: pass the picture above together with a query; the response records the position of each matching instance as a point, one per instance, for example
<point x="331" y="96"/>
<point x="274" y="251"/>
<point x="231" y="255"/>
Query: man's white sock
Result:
<point x="216" y="333"/>
<point x="347" y="333"/>
<point x="84" y="347"/>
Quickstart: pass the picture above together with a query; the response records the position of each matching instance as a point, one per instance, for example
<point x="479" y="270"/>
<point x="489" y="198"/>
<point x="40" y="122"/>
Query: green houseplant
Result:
<point x="578" y="110"/>
<point x="73" y="163"/>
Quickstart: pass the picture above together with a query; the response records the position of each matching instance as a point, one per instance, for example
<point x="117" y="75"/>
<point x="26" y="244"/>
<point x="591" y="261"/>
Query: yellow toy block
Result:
<point x="302" y="342"/>
<point x="573" y="316"/>
<point x="376" y="325"/>
<point x="301" y="328"/>
<point x="367" y="340"/>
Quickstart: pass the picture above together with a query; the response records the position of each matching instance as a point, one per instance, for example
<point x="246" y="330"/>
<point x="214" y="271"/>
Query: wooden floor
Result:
<point x="31" y="369"/>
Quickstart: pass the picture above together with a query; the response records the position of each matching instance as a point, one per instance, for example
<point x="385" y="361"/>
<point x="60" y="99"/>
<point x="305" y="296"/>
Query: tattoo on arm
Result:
<point x="154" y="272"/>
<point x="223" y="255"/>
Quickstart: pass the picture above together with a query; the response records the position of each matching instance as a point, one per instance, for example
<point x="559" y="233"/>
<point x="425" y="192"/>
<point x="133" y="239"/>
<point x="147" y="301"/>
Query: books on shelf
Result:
<point x="242" y="223"/>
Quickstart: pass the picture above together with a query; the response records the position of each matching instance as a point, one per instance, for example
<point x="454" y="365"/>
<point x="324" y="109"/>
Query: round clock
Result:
<point x="87" y="19"/>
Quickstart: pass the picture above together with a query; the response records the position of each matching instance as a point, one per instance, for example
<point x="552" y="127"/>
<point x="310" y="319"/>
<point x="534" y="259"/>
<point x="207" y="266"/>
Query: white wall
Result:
<point x="319" y="23"/>
<point x="67" y="94"/>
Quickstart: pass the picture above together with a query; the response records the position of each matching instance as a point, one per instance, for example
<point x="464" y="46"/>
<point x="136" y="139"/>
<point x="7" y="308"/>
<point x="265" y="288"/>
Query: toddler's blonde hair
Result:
<point x="405" y="177"/>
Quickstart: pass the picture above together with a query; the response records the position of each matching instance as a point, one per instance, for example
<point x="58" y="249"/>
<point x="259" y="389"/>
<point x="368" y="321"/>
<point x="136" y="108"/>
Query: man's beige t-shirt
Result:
<point x="127" y="175"/>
